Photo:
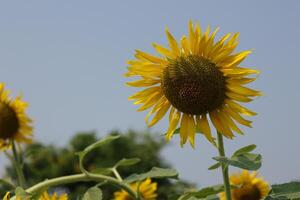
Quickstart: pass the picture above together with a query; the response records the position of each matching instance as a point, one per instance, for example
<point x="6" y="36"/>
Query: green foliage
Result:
<point x="286" y="191"/>
<point x="153" y="173"/>
<point x="242" y="158"/>
<point x="94" y="193"/>
<point x="47" y="161"/>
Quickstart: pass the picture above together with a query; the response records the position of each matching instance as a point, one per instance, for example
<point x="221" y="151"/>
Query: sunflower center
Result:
<point x="252" y="193"/>
<point x="9" y="123"/>
<point x="193" y="84"/>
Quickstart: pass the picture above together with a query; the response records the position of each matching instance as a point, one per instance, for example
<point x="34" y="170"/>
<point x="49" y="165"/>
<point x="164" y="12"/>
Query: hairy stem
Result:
<point x="226" y="181"/>
<point x="79" y="178"/>
<point x="17" y="165"/>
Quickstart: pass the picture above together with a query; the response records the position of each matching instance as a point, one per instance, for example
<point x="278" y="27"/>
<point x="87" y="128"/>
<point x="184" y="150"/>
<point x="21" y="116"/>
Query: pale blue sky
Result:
<point x="68" y="57"/>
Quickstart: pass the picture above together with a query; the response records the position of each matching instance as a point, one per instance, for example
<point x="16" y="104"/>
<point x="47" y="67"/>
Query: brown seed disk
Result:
<point x="9" y="123"/>
<point x="194" y="85"/>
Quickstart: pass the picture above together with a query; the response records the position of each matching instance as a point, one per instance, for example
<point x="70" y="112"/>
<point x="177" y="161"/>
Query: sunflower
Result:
<point x="250" y="187"/>
<point x="147" y="189"/>
<point x="45" y="196"/>
<point x="54" y="196"/>
<point x="196" y="79"/>
<point x="14" y="123"/>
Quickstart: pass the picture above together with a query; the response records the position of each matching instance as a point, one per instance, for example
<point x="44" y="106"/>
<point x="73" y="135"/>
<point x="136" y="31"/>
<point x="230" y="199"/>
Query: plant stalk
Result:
<point x="226" y="181"/>
<point x="78" y="178"/>
<point x="17" y="164"/>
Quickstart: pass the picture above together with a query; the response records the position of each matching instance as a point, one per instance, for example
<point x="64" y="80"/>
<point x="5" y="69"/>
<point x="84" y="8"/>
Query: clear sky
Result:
<point x="68" y="57"/>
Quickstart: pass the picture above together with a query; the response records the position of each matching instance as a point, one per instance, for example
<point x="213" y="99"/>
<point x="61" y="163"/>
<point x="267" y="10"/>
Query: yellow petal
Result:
<point x="203" y="126"/>
<point x="240" y="81"/>
<point x="163" y="51"/>
<point x="235" y="60"/>
<point x="222" y="128"/>
<point x="173" y="43"/>
<point x="226" y="119"/>
<point x="184" y="129"/>
<point x="237" y="71"/>
<point x="144" y="93"/>
<point x="191" y="130"/>
<point x="237" y="117"/>
<point x="159" y="114"/>
<point x="238" y="97"/>
<point x="240" y="109"/>
<point x="142" y="55"/>
<point x="243" y="90"/>
<point x="151" y="100"/>
<point x="185" y="45"/>
<point x="173" y="122"/>
<point x="191" y="35"/>
<point x="143" y="82"/>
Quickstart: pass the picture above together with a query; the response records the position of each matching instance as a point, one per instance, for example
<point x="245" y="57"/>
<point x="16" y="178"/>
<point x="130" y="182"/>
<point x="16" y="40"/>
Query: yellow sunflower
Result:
<point x="54" y="196"/>
<point x="45" y="196"/>
<point x="15" y="125"/>
<point x="195" y="78"/>
<point x="250" y="187"/>
<point x="147" y="190"/>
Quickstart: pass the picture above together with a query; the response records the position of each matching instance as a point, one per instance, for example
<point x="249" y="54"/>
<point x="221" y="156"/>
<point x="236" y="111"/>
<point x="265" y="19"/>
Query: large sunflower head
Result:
<point x="196" y="79"/>
<point x="250" y="187"/>
<point x="15" y="125"/>
<point x="147" y="189"/>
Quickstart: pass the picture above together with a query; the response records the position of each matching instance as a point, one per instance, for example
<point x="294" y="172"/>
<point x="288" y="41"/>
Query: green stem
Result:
<point x="78" y="178"/>
<point x="226" y="181"/>
<point x="117" y="175"/>
<point x="18" y="168"/>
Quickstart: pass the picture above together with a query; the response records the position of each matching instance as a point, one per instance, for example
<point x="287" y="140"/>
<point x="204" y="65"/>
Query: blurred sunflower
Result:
<point x="194" y="79"/>
<point x="147" y="190"/>
<point x="45" y="196"/>
<point x="14" y="123"/>
<point x="54" y="196"/>
<point x="250" y="187"/>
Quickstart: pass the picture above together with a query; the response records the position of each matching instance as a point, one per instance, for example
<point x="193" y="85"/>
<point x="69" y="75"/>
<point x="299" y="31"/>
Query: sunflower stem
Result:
<point x="117" y="175"/>
<point x="226" y="181"/>
<point x="18" y="167"/>
<point x="40" y="187"/>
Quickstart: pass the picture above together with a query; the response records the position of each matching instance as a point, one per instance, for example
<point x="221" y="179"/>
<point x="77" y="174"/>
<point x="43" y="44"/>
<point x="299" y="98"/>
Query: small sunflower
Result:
<point x="45" y="196"/>
<point x="54" y="196"/>
<point x="147" y="190"/>
<point x="15" y="125"/>
<point x="195" y="79"/>
<point x="250" y="187"/>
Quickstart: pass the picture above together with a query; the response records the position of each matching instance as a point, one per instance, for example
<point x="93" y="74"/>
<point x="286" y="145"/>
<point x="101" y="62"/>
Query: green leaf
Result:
<point x="287" y="190"/>
<point x="103" y="171"/>
<point x="21" y="193"/>
<point x="203" y="193"/>
<point x="247" y="161"/>
<point x="93" y="193"/>
<point x="215" y="166"/>
<point x="155" y="172"/>
<point x="7" y="183"/>
<point x="245" y="149"/>
<point x="127" y="162"/>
